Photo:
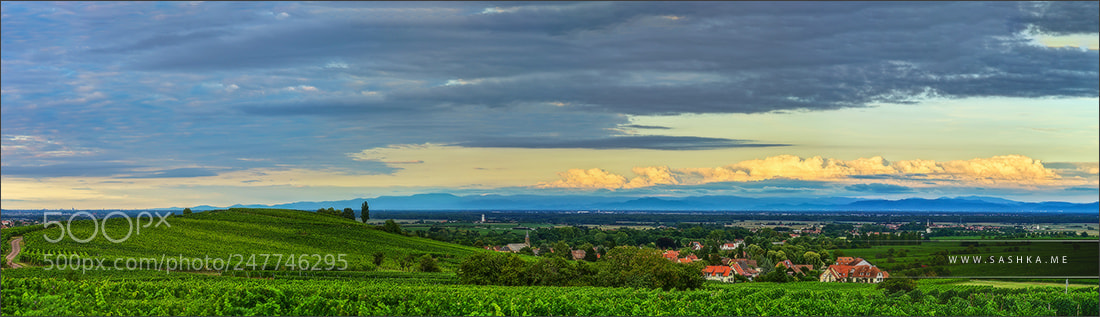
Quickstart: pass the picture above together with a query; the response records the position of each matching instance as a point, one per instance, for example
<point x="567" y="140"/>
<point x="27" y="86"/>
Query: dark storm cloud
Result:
<point x="652" y="142"/>
<point x="768" y="57"/>
<point x="233" y="85"/>
<point x="1063" y="17"/>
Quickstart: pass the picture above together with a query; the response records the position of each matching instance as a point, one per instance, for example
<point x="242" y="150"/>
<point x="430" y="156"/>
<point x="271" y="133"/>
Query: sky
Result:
<point x="159" y="104"/>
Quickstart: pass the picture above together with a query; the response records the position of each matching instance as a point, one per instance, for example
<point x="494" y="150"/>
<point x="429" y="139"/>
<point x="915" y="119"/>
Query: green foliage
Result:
<point x="621" y="267"/>
<point x="777" y="275"/>
<point x="898" y="285"/>
<point x="428" y="264"/>
<point x="242" y="231"/>
<point x="186" y="211"/>
<point x="37" y="292"/>
<point x="377" y="258"/>
<point x="391" y="227"/>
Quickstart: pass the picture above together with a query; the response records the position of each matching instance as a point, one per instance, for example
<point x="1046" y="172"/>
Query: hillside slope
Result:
<point x="239" y="233"/>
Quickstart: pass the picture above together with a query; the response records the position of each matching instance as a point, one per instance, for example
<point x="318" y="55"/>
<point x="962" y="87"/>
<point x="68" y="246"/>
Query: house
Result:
<point x="747" y="262"/>
<point x="732" y="245"/>
<point x="792" y="269"/>
<point x="720" y="273"/>
<point x="695" y="245"/>
<point x="853" y="270"/>
<point x="780" y="242"/>
<point x="850" y="261"/>
<point x="672" y="255"/>
<point x="684" y="261"/>
<point x="743" y="270"/>
<point x="579" y="254"/>
<point x="800" y="269"/>
<point x="853" y="274"/>
<point x="514" y="247"/>
<point x="692" y="258"/>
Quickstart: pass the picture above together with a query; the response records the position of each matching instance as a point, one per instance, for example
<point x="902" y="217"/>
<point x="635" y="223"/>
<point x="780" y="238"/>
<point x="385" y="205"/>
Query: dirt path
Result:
<point x="15" y="245"/>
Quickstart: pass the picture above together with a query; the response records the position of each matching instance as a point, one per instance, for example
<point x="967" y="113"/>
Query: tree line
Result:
<point x="348" y="212"/>
<point x="620" y="267"/>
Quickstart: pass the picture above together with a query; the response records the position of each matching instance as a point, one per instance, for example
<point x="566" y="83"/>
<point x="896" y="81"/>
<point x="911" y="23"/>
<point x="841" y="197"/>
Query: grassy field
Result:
<point x="229" y="233"/>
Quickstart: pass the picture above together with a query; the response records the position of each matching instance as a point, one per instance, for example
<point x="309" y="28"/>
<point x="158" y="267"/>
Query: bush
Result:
<point x="378" y="258"/>
<point x="896" y="285"/>
<point x="428" y="264"/>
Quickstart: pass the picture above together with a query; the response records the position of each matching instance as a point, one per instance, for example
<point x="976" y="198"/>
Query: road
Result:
<point x="15" y="245"/>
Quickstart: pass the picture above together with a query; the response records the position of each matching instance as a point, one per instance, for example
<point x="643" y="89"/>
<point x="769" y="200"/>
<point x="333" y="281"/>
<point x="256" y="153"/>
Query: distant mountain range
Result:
<point x="693" y="203"/>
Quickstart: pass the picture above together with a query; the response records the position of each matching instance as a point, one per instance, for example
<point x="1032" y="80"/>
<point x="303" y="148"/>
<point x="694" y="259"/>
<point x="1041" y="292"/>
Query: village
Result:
<point x="740" y="268"/>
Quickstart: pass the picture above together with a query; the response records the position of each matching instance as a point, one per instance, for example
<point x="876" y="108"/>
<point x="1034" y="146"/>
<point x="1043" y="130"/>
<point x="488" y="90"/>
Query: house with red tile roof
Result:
<point x="800" y="269"/>
<point x="718" y="273"/>
<point x="692" y="258"/>
<point x="850" y="261"/>
<point x="672" y="255"/>
<point x="695" y="245"/>
<point x="786" y="263"/>
<point x="578" y="254"/>
<point x="745" y="261"/>
<point x="732" y="245"/>
<point x="853" y="270"/>
<point x="740" y="268"/>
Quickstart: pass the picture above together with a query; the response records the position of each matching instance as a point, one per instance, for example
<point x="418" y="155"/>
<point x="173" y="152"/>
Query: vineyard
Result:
<point x="375" y="293"/>
<point x="394" y="289"/>
<point x="242" y="232"/>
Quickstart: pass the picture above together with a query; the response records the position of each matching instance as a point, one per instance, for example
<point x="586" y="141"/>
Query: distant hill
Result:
<point x="443" y="201"/>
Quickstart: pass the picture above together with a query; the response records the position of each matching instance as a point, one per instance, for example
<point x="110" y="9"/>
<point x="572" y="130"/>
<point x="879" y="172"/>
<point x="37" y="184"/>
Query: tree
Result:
<point x="348" y="213"/>
<point x="590" y="255"/>
<point x="428" y="264"/>
<point x="365" y="211"/>
<point x="666" y="243"/>
<point x="186" y="211"/>
<point x="562" y="250"/>
<point x="777" y="275"/>
<point x="812" y="258"/>
<point x="378" y="258"/>
<point x="391" y="227"/>
<point x="482" y="268"/>
<point x="527" y="251"/>
<point x="894" y="285"/>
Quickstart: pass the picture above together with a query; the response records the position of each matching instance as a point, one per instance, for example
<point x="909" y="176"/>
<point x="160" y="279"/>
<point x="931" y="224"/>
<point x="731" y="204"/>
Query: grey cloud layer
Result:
<point x="237" y="85"/>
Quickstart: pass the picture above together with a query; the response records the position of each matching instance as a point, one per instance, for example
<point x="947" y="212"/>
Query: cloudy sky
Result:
<point x="139" y="104"/>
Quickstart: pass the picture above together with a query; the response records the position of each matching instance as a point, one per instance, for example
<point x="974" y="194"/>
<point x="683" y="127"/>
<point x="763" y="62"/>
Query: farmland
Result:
<point x="222" y="234"/>
<point x="396" y="288"/>
<point x="30" y="293"/>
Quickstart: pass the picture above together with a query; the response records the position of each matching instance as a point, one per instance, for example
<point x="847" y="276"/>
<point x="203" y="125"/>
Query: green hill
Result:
<point x="238" y="233"/>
